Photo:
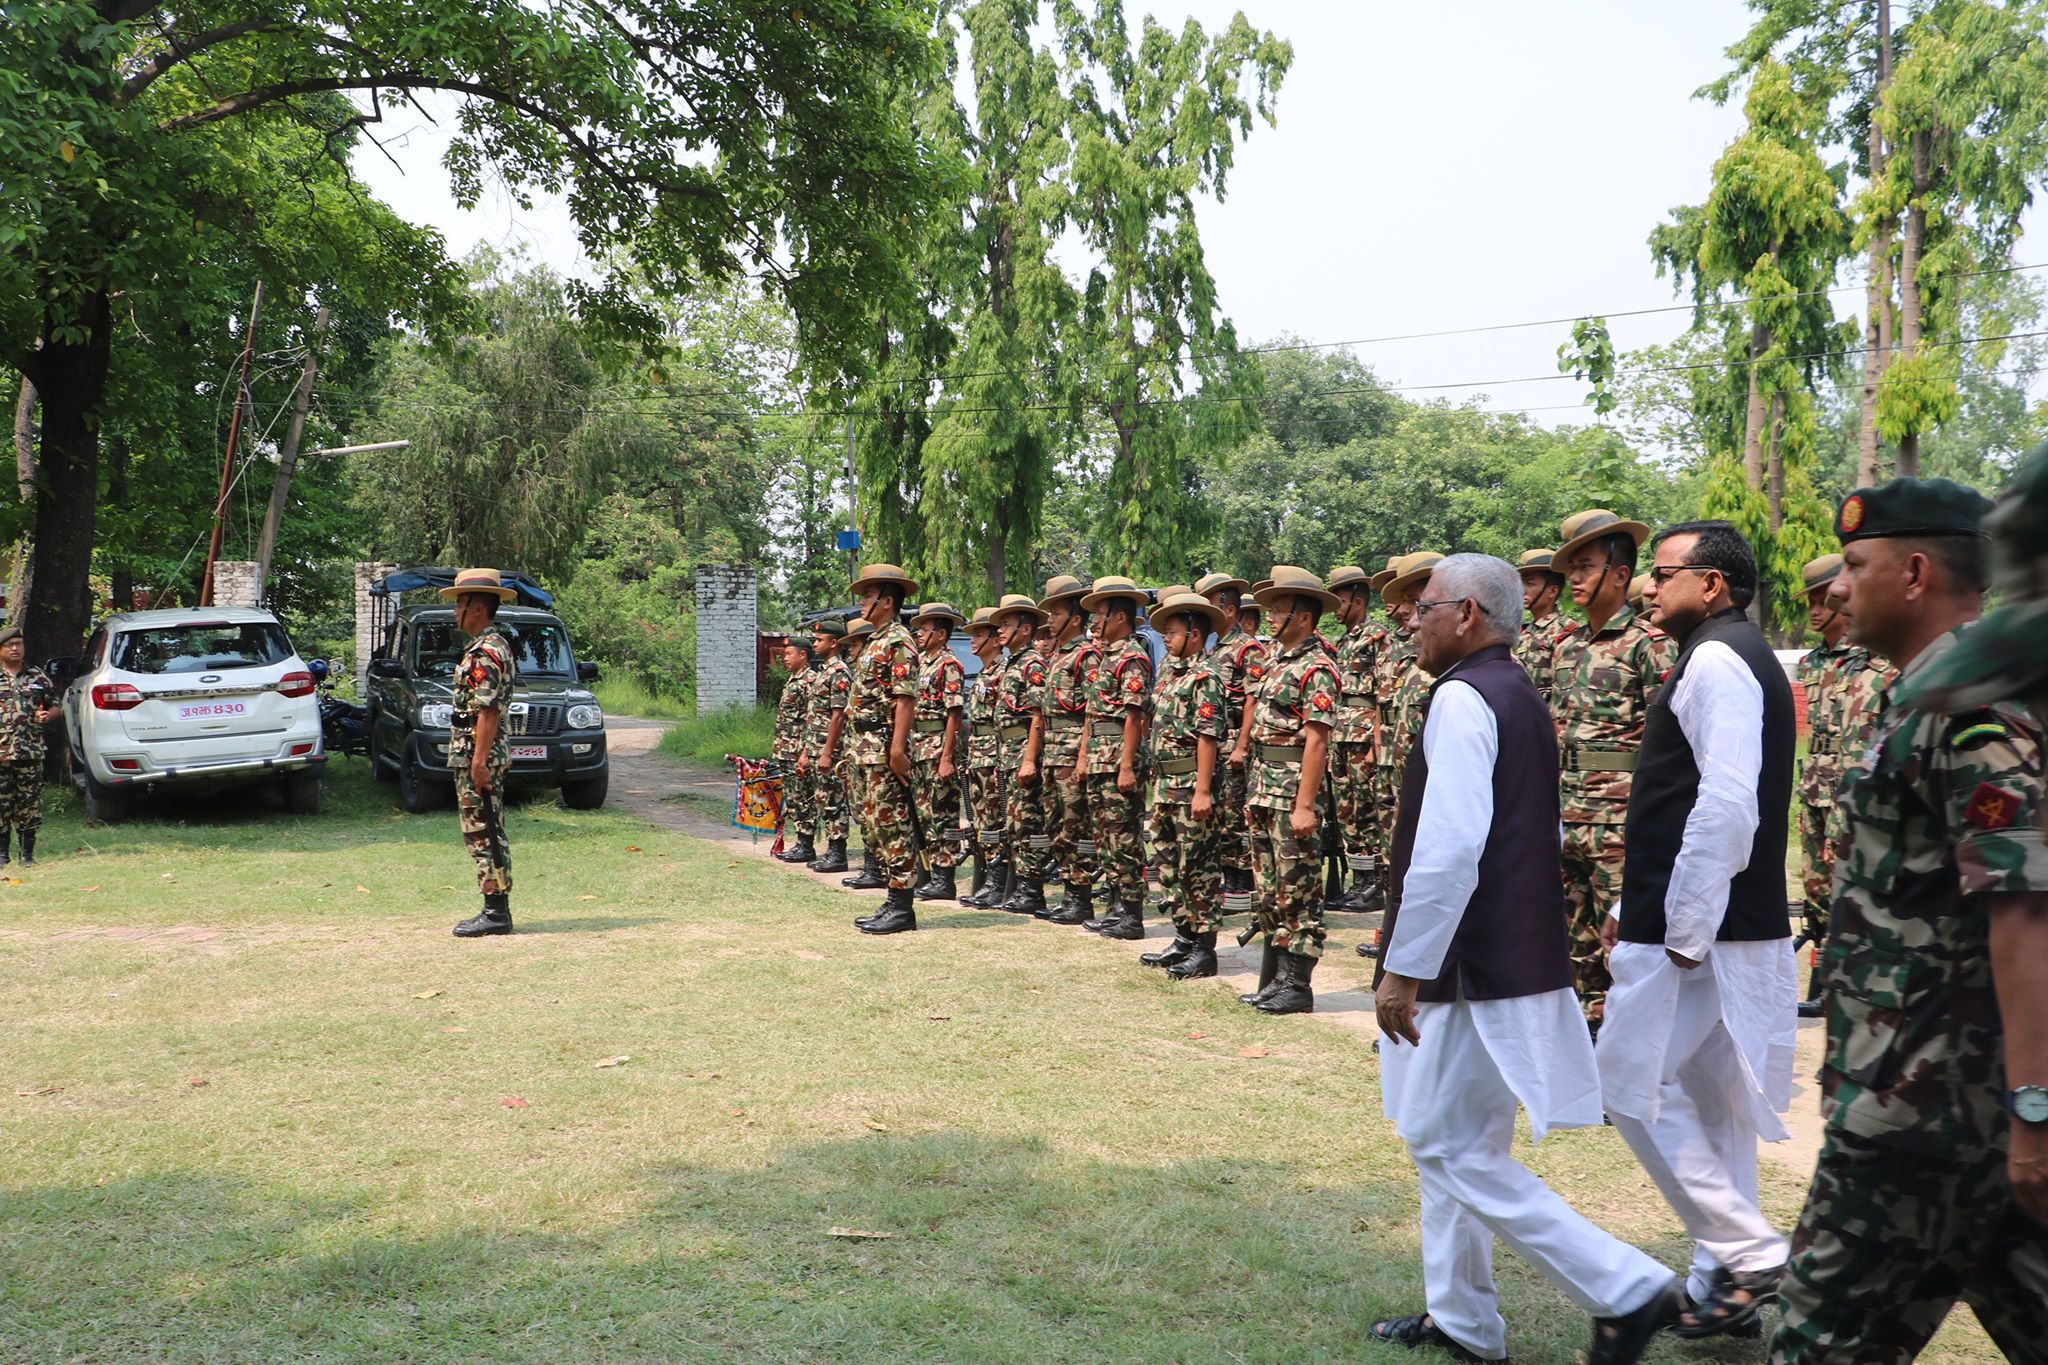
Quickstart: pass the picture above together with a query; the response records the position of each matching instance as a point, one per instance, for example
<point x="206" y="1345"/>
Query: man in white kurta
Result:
<point x="1696" y="1056"/>
<point x="1453" y="1072"/>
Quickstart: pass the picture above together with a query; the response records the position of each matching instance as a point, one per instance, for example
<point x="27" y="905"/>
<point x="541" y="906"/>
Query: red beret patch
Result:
<point x="1992" y="807"/>
<point x="1852" y="512"/>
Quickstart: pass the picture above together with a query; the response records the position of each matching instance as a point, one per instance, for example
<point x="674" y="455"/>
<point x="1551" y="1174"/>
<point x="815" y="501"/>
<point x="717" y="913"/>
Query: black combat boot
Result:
<point x="28" y="848"/>
<point x="1269" y="968"/>
<point x="1028" y="898"/>
<point x="870" y="877"/>
<point x="1112" y="906"/>
<point x="1127" y="925"/>
<point x="1366" y="895"/>
<point x="940" y="886"/>
<point x="1291" y="993"/>
<point x="898" y="914"/>
<point x="1183" y="944"/>
<point x="978" y="886"/>
<point x="494" y="918"/>
<point x="1200" y="961"/>
<point x="1077" y="908"/>
<point x="802" y="852"/>
<point x="834" y="859"/>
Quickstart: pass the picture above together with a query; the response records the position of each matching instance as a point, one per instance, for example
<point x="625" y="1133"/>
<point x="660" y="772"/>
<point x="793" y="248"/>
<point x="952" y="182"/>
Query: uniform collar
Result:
<point x="1619" y="622"/>
<point x="1940" y="645"/>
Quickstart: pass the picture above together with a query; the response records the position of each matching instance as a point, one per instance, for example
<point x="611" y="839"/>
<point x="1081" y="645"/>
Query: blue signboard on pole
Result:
<point x="849" y="541"/>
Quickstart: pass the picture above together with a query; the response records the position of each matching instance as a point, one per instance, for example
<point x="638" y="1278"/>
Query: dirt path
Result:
<point x="652" y="787"/>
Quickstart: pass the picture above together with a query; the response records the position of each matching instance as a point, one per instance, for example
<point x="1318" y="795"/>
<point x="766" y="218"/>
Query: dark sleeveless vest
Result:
<point x="1511" y="941"/>
<point x="1667" y="785"/>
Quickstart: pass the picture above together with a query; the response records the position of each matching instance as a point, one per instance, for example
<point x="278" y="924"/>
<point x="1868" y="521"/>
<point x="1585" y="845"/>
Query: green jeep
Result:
<point x="553" y="724"/>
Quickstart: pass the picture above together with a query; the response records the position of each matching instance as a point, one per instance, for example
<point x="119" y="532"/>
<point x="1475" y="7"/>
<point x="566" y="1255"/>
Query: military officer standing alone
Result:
<point x="825" y="740"/>
<point x="984" y="775"/>
<point x="1932" y="1182"/>
<point x="786" y="752"/>
<point x="1293" y="709"/>
<point x="879" y="708"/>
<point x="938" y="747"/>
<point x="477" y="751"/>
<point x="1543" y="625"/>
<point x="25" y="697"/>
<point x="1351" y="772"/>
<point x="1605" y="677"/>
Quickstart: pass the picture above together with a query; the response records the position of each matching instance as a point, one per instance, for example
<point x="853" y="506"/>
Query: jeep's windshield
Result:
<point x="201" y="647"/>
<point x="539" y="648"/>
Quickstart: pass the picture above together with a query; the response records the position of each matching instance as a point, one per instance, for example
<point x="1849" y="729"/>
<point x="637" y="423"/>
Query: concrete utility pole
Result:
<point x="227" y="460"/>
<point x="852" y="502"/>
<point x="288" y="458"/>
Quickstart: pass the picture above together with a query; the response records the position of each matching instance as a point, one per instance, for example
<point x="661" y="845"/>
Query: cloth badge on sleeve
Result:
<point x="1992" y="807"/>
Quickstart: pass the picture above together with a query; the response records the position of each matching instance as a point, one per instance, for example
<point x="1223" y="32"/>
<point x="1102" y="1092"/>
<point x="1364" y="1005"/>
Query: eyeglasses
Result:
<point x="1423" y="608"/>
<point x="1662" y="574"/>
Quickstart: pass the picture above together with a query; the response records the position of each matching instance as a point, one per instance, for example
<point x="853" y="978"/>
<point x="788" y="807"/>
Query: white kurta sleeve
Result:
<point x="1720" y="708"/>
<point x="1460" y="740"/>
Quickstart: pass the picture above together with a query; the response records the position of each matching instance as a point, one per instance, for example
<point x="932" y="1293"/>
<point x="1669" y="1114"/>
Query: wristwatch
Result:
<point x="2028" y="1103"/>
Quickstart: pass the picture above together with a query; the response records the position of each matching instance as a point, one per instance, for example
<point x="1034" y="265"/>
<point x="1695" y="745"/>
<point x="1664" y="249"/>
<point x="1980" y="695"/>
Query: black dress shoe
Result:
<point x="1622" y="1340"/>
<point x="1369" y="948"/>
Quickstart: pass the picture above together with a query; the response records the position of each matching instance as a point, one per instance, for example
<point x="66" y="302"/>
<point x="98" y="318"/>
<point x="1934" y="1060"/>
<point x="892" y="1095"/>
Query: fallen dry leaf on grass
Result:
<point x="197" y="1081"/>
<point x="859" y="1234"/>
<point x="1251" y="1052"/>
<point x="632" y="848"/>
<point x="91" y="888"/>
<point x="1198" y="1035"/>
<point x="362" y="890"/>
<point x="170" y="876"/>
<point x="46" y="1090"/>
<point x="876" y="1127"/>
<point x="455" y="1028"/>
<point x="614" y="1061"/>
<point x="586" y="898"/>
<point x="11" y="881"/>
<point x="734" y="863"/>
<point x="426" y="995"/>
<point x="513" y="1102"/>
<point x="938" y="1018"/>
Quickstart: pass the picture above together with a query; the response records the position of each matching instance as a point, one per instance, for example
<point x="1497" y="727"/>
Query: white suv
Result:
<point x="206" y="697"/>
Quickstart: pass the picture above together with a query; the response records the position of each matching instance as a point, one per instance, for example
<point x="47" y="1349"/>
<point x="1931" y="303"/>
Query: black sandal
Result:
<point x="1622" y="1340"/>
<point x="1734" y="1307"/>
<point x="1421" y="1330"/>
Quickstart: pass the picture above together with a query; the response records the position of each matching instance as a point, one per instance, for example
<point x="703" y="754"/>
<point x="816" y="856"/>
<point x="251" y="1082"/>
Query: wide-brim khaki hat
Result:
<point x="1059" y="588"/>
<point x="885" y="575"/>
<point x="1348" y="576"/>
<point x="1635" y="589"/>
<point x="984" y="618"/>
<point x="1018" y="604"/>
<point x="1217" y="582"/>
<point x="938" y="611"/>
<point x="1110" y="587"/>
<point x="1411" y="572"/>
<point x="1581" y="529"/>
<point x="486" y="581"/>
<point x="1385" y="576"/>
<point x="1816" y="574"/>
<point x="1189" y="602"/>
<point x="1536" y="561"/>
<point x="859" y="628"/>
<point x="1290" y="580"/>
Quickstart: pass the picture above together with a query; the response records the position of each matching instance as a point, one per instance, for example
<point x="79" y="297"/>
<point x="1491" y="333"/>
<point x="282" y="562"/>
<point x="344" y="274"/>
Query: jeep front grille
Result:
<point x="540" y="718"/>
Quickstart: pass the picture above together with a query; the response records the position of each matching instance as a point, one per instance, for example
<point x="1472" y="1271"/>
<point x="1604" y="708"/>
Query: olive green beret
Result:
<point x="1911" y="507"/>
<point x="831" y="625"/>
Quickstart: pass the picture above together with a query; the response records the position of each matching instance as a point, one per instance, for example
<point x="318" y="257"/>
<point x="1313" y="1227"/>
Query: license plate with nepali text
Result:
<point x="529" y="751"/>
<point x="206" y="710"/>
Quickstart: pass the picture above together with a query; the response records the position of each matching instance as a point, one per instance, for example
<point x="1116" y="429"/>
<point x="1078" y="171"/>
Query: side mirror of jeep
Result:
<point x="586" y="671"/>
<point x="386" y="668"/>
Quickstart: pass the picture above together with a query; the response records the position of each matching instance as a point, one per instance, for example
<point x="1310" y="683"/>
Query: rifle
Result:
<point x="1333" y="836"/>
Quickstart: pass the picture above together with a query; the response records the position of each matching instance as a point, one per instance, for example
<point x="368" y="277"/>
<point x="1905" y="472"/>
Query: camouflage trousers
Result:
<point x="886" y="825"/>
<point x="1386" y="794"/>
<point x="1190" y="855"/>
<point x="1290" y="883"/>
<point x="938" y="813"/>
<point x="1352" y="775"/>
<point x="483" y="824"/>
<point x="985" y="810"/>
<point x="1118" y="821"/>
<point x="829" y="792"/>
<point x="1024" y="824"/>
<point x="1592" y="884"/>
<point x="1234" y="845"/>
<point x="1890" y="1239"/>
<point x="799" y="802"/>
<point x="1066" y="819"/>
<point x="21" y="794"/>
<point x="1816" y="868"/>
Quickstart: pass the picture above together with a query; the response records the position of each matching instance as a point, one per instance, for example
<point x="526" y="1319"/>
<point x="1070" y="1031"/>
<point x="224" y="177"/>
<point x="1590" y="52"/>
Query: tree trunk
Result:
<point x="71" y="379"/>
<point x="1911" y="247"/>
<point x="120" y="573"/>
<point x="1753" y="419"/>
<point x="1877" y="328"/>
<point x="25" y="440"/>
<point x="998" y="549"/>
<point x="1774" y="481"/>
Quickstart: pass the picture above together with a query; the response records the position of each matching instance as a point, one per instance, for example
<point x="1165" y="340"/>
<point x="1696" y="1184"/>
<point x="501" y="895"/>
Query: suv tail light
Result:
<point x="295" y="684"/>
<point x="116" y="697"/>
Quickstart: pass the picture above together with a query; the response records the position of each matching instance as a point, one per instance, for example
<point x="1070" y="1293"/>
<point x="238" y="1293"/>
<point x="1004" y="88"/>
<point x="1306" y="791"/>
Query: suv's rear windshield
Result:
<point x="201" y="648"/>
<point x="539" y="648"/>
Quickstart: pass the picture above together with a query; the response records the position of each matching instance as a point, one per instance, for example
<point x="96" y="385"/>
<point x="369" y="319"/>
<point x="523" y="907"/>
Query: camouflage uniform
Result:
<point x="1602" y="694"/>
<point x="1188" y="706"/>
<point x="941" y="694"/>
<point x="799" y="810"/>
<point x="830" y="682"/>
<point x="1351" y="757"/>
<point x="1536" y="649"/>
<point x="1066" y="812"/>
<point x="1023" y="682"/>
<point x="21" y="749"/>
<point x="1239" y="659"/>
<point x="1394" y="663"/>
<point x="1119" y="684"/>
<point x="886" y="671"/>
<point x="1299" y="688"/>
<point x="984" y="760"/>
<point x="483" y="682"/>
<point x="1842" y="684"/>
<point x="1910" y="1207"/>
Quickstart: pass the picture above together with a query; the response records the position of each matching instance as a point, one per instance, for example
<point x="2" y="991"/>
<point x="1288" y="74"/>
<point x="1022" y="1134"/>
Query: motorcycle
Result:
<point x="344" y="726"/>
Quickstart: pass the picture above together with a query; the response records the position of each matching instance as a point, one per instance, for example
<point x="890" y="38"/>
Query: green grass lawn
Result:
<point x="259" y="1106"/>
<point x="708" y="738"/>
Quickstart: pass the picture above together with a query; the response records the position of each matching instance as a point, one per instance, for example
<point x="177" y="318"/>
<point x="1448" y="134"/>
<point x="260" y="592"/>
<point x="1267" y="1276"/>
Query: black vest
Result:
<point x="1511" y="941"/>
<point x="1667" y="784"/>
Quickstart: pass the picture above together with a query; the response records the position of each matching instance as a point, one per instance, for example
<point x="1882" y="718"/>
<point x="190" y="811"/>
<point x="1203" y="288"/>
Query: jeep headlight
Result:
<point x="586" y="715"/>
<point x="436" y="715"/>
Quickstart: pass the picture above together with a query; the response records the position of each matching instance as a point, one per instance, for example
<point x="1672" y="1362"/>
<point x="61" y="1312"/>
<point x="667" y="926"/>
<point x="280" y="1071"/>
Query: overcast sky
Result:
<point x="1434" y="166"/>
